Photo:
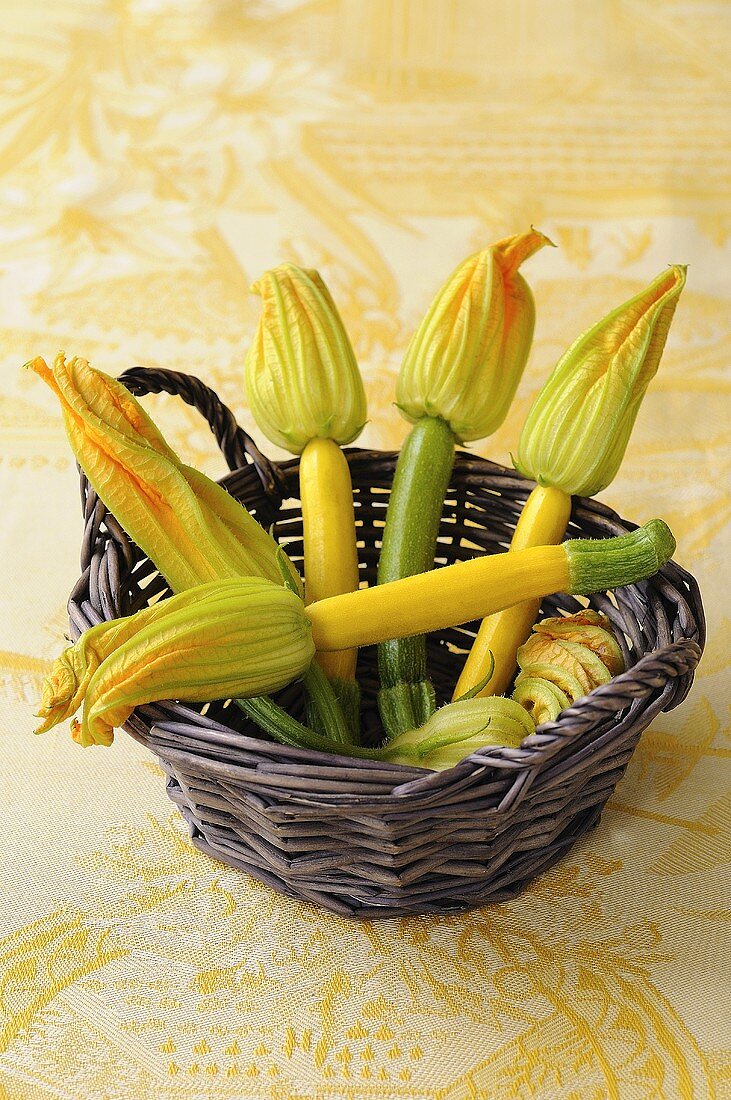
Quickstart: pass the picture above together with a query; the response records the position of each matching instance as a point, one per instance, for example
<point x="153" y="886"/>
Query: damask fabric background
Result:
<point x="155" y="158"/>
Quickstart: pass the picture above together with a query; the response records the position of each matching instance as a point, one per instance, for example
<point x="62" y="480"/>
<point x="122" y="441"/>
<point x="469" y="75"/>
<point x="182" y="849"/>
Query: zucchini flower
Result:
<point x="306" y="394"/>
<point x="225" y="639"/>
<point x="467" y="356"/>
<point x="542" y="697"/>
<point x="456" y="383"/>
<point x="573" y="442"/>
<point x="563" y="660"/>
<point x="65" y="686"/>
<point x="458" y="729"/>
<point x="302" y="380"/>
<point x="588" y="628"/>
<point x="577" y="660"/>
<point x="578" y="428"/>
<point x="189" y="527"/>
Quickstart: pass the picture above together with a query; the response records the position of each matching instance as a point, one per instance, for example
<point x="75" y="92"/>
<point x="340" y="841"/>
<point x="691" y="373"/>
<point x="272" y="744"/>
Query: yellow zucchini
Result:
<point x="331" y="556"/>
<point x="472" y="589"/>
<point x="543" y="520"/>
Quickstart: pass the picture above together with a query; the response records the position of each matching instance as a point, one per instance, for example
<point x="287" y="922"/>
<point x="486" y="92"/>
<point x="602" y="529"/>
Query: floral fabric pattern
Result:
<point x="155" y="158"/>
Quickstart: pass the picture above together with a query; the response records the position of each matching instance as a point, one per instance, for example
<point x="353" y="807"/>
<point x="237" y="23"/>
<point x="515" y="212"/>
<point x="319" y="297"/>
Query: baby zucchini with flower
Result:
<point x="469" y="590"/>
<point x="190" y="528"/>
<point x="306" y="395"/>
<point x="220" y="640"/>
<point x="233" y="638"/>
<point x="457" y="380"/>
<point x="572" y="443"/>
<point x="458" y="729"/>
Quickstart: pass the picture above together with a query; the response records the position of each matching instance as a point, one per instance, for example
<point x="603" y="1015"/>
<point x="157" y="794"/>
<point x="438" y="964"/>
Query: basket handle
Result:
<point x="237" y="447"/>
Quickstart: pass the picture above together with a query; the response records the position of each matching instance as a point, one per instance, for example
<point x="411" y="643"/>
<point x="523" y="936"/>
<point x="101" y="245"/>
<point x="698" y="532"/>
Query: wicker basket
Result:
<point x="368" y="839"/>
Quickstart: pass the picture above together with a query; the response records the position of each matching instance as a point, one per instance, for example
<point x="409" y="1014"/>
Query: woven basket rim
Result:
<point x="534" y="751"/>
<point x="658" y="666"/>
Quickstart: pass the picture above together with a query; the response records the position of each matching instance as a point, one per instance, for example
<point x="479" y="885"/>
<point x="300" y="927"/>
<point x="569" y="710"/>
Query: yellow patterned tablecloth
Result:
<point x="155" y="157"/>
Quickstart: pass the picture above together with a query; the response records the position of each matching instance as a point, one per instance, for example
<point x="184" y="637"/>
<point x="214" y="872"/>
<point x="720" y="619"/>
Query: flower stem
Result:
<point x="275" y="721"/>
<point x="347" y="693"/>
<point x="595" y="565"/>
<point x="323" y="706"/>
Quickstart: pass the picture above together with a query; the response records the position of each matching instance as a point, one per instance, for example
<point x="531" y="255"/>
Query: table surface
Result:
<point x="155" y="159"/>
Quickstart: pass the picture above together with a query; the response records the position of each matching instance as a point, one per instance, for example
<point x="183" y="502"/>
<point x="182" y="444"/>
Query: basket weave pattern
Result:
<point x="369" y="839"/>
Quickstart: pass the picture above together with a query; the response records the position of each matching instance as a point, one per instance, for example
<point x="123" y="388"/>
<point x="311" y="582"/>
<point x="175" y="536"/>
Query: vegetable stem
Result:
<point x="323" y="710"/>
<point x="275" y="721"/>
<point x="347" y="693"/>
<point x="323" y="706"/>
<point x="598" y="564"/>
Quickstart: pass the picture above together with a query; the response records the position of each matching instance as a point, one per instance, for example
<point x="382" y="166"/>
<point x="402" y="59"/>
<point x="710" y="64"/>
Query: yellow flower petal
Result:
<point x="65" y="687"/>
<point x="542" y="699"/>
<point x="558" y="675"/>
<point x="593" y="632"/>
<point x="187" y="525"/>
<point x="544" y="650"/>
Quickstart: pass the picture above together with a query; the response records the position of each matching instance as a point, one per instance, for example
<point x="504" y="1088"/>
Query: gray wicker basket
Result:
<point x="368" y="839"/>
